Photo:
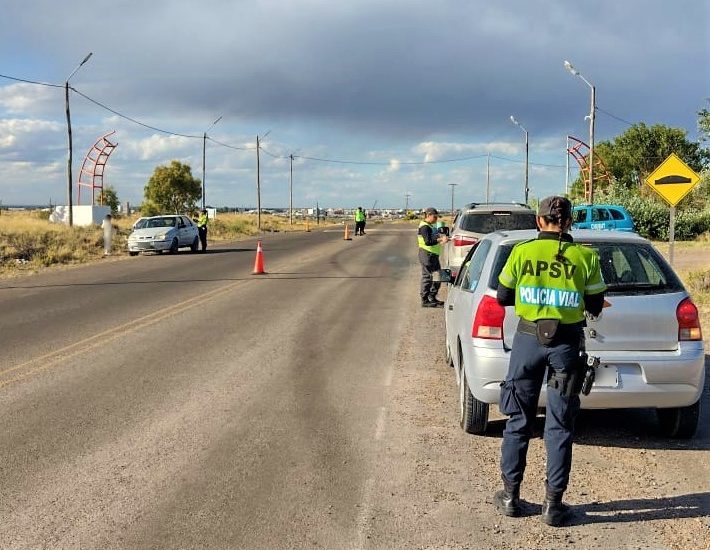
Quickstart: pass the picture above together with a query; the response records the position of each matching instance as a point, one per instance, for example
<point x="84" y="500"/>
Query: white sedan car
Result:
<point x="159" y="233"/>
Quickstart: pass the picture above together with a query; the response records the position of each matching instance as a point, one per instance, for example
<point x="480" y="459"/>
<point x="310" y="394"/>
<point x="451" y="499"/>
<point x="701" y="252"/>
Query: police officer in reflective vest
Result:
<point x="552" y="282"/>
<point x="430" y="241"/>
<point x="202" y="229"/>
<point x="360" y="221"/>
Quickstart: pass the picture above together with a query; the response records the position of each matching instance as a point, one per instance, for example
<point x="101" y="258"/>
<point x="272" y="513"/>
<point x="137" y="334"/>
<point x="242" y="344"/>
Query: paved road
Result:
<point x="181" y="402"/>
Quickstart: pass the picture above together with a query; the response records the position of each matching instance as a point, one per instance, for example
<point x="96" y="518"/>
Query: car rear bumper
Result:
<point x="625" y="380"/>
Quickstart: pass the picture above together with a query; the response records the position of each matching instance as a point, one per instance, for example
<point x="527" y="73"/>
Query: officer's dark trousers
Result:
<point x="430" y="264"/>
<point x="519" y="399"/>
<point x="203" y="237"/>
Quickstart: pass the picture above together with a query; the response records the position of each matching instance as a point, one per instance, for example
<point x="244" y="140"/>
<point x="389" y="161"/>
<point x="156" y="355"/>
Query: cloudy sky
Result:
<point x="385" y="90"/>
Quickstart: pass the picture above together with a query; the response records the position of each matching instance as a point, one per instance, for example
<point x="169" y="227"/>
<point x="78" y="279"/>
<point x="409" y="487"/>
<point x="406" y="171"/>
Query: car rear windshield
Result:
<point x="488" y="222"/>
<point x="627" y="269"/>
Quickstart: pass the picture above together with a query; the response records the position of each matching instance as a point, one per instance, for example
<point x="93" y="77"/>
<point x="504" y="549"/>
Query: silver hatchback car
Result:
<point x="649" y="341"/>
<point x="476" y="220"/>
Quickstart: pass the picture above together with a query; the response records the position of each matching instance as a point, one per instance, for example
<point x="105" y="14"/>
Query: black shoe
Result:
<point x="433" y="300"/>
<point x="427" y="303"/>
<point x="554" y="512"/>
<point x="508" y="503"/>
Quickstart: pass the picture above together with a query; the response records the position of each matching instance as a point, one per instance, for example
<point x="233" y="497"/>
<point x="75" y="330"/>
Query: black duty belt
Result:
<point x="527" y="327"/>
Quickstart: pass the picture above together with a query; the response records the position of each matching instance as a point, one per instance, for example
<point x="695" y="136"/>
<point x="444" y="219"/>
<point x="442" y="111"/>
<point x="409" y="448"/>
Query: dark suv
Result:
<point x="475" y="220"/>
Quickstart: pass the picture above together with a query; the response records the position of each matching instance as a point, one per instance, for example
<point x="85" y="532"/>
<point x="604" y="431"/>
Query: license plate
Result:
<point x="606" y="376"/>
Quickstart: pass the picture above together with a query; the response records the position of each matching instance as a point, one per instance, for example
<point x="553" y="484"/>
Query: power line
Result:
<point x="32" y="81"/>
<point x="531" y="163"/>
<point x="381" y="163"/>
<point x="98" y="103"/>
<point x="615" y="117"/>
<point x="230" y="146"/>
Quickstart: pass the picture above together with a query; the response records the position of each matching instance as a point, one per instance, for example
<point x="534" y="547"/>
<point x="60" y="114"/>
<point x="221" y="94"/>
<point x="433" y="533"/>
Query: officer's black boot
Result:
<point x="508" y="500"/>
<point x="554" y="511"/>
<point x="434" y="301"/>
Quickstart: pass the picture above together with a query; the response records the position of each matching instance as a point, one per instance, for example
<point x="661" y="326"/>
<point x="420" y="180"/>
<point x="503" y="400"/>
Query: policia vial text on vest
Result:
<point x="430" y="241"/>
<point x="552" y="282"/>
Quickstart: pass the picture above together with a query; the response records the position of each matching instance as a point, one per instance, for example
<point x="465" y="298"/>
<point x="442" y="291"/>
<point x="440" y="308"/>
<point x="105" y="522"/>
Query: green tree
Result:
<point x="633" y="155"/>
<point x="704" y="123"/>
<point x="172" y="188"/>
<point x="110" y="198"/>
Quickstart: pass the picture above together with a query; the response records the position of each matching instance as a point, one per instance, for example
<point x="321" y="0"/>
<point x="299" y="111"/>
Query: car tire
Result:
<point x="473" y="413"/>
<point x="130" y="253"/>
<point x="195" y="245"/>
<point x="174" y="246"/>
<point x="679" y="422"/>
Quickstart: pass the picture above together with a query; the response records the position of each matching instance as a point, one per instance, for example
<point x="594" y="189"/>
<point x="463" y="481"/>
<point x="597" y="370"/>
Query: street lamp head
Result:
<point x="512" y="119"/>
<point x="86" y="58"/>
<point x="570" y="68"/>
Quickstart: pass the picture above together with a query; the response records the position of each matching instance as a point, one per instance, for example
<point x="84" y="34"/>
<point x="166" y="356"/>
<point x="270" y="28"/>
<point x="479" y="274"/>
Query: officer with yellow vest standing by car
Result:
<point x="202" y="228"/>
<point x="552" y="282"/>
<point x="430" y="241"/>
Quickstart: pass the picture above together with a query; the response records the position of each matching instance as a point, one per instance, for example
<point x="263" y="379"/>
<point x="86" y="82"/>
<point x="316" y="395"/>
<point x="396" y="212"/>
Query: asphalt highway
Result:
<point x="182" y="402"/>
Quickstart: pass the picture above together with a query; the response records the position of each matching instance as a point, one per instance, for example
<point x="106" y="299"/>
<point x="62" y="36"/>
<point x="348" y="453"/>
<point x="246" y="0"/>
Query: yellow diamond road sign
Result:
<point x="673" y="179"/>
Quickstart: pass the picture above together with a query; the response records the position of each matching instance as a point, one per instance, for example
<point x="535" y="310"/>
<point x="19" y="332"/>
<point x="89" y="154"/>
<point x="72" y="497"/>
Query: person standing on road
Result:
<point x="552" y="282"/>
<point x="107" y="226"/>
<point x="202" y="228"/>
<point x="360" y="218"/>
<point x="430" y="241"/>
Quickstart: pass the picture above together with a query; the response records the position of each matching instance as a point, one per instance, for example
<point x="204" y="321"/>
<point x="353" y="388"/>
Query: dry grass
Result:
<point x="29" y="242"/>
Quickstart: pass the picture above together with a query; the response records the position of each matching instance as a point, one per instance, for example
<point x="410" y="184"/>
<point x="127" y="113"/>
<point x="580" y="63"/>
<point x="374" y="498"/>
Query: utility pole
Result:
<point x="567" y="169"/>
<point x="290" y="194"/>
<point x="258" y="188"/>
<point x="488" y="177"/>
<point x="452" y="185"/>
<point x="70" y="193"/>
<point x="406" y="203"/>
<point x="204" y="143"/>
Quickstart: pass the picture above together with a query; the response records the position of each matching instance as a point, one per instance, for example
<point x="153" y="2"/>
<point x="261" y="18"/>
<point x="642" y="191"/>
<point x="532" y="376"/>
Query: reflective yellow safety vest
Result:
<point x="359" y="215"/>
<point x="433" y="249"/>
<point x="202" y="220"/>
<point x="547" y="288"/>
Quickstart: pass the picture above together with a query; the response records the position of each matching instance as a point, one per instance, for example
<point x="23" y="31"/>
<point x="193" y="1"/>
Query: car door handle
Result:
<point x="451" y="307"/>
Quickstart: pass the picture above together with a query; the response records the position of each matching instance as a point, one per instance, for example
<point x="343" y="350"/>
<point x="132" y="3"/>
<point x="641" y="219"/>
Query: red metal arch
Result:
<point x="580" y="152"/>
<point x="92" y="170"/>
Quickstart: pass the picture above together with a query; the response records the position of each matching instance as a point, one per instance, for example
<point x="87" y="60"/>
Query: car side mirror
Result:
<point x="443" y="276"/>
<point x="444" y="231"/>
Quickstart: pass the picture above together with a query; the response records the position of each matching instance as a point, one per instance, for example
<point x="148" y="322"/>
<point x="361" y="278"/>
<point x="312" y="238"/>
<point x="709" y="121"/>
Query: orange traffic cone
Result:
<point x="259" y="260"/>
<point x="347" y="237"/>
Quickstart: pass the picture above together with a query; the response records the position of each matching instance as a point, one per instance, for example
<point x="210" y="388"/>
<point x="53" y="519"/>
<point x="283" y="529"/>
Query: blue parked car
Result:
<point x="602" y="216"/>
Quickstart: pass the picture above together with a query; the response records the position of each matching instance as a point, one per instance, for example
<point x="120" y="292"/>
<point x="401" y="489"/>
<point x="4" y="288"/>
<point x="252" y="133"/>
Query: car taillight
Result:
<point x="488" y="322"/>
<point x="688" y="321"/>
<point x="458" y="240"/>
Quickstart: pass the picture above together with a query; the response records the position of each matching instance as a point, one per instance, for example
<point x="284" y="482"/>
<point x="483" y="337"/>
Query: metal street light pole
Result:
<point x="591" y="117"/>
<point x="69" y="159"/>
<point x="527" y="189"/>
<point x="204" y="144"/>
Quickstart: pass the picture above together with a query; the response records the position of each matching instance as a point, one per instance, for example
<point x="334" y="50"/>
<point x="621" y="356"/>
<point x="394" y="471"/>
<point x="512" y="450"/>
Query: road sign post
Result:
<point x="672" y="180"/>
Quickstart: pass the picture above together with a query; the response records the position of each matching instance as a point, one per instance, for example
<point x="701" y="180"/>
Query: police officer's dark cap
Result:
<point x="554" y="205"/>
<point x="431" y="211"/>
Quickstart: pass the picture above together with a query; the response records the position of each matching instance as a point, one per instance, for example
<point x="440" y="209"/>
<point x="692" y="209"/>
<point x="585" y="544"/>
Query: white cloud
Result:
<point x="394" y="166"/>
<point x="31" y="100"/>
<point x="434" y="151"/>
<point x="157" y="147"/>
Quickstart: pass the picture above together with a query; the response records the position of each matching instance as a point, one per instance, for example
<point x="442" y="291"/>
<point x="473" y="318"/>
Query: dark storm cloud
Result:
<point x="403" y="68"/>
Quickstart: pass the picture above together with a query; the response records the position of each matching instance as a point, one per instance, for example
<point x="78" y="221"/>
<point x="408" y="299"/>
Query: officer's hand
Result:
<point x="443" y="239"/>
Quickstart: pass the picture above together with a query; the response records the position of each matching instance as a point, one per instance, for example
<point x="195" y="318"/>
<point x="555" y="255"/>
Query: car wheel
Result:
<point x="473" y="413"/>
<point x="679" y="422"/>
<point x="132" y="253"/>
<point x="195" y="245"/>
<point x="174" y="246"/>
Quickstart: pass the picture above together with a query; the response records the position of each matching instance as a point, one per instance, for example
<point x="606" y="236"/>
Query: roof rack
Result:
<point x="472" y="205"/>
